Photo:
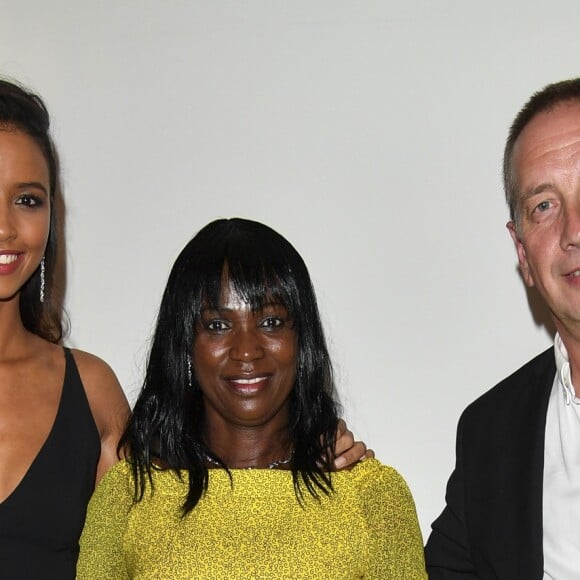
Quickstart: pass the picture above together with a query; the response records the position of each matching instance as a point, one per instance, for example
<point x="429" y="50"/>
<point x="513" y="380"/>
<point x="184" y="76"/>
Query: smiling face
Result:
<point x="546" y="167"/>
<point x="24" y="210"/>
<point x="245" y="363"/>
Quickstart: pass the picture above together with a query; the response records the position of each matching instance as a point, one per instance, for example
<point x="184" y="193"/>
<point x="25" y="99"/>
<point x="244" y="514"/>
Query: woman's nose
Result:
<point x="7" y="228"/>
<point x="246" y="345"/>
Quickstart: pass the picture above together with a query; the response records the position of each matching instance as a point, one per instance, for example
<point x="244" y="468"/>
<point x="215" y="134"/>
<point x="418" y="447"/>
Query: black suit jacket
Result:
<point x="491" y="527"/>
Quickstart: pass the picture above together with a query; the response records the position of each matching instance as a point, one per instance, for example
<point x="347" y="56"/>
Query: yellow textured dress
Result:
<point x="254" y="529"/>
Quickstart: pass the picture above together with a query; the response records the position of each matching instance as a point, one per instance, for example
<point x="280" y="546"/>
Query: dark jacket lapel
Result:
<point x="503" y="440"/>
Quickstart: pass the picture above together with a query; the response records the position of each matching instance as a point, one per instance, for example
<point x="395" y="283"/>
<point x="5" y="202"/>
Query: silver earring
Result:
<point x="42" y="279"/>
<point x="189" y="380"/>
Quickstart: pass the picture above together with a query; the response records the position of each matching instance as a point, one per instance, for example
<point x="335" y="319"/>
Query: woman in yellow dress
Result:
<point x="229" y="470"/>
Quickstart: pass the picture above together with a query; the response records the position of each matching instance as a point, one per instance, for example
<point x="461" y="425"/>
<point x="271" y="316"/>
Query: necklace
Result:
<point x="272" y="465"/>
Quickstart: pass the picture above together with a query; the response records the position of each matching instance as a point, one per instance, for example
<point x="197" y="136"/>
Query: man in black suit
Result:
<point x="513" y="501"/>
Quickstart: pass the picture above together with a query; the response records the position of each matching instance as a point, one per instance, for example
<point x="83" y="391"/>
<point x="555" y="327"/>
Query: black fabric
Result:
<point x="41" y="521"/>
<point x="491" y="527"/>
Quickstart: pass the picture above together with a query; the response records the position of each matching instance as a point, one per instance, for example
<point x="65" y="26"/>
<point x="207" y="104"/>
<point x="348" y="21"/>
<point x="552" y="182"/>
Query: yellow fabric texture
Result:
<point x="254" y="529"/>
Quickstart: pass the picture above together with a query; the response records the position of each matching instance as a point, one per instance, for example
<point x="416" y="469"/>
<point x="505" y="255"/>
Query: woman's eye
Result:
<point x="30" y="200"/>
<point x="272" y="322"/>
<point x="216" y="325"/>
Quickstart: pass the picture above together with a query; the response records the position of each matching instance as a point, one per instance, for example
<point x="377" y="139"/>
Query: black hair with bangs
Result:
<point x="165" y="427"/>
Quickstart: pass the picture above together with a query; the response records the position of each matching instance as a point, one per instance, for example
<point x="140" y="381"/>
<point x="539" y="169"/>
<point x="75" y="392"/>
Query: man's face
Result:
<point x="546" y="167"/>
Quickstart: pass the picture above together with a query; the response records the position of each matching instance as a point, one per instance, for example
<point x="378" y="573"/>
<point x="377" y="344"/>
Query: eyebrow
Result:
<point x="34" y="184"/>
<point x="530" y="193"/>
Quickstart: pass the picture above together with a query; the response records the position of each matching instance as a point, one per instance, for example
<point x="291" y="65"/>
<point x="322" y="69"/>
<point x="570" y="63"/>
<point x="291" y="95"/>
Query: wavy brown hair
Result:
<point x="24" y="111"/>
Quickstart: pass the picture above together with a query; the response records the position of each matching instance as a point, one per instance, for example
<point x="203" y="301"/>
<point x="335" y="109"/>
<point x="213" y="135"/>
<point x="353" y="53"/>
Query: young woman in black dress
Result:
<point x="61" y="411"/>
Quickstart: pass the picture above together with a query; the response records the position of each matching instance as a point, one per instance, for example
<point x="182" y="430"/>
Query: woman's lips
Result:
<point x="248" y="385"/>
<point x="9" y="262"/>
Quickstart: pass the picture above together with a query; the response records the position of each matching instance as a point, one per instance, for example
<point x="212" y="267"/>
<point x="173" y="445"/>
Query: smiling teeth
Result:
<point x="249" y="381"/>
<point x="8" y="258"/>
<point x="575" y="274"/>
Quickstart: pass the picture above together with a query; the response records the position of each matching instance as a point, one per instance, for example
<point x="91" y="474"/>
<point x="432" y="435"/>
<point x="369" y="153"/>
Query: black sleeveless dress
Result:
<point x="41" y="521"/>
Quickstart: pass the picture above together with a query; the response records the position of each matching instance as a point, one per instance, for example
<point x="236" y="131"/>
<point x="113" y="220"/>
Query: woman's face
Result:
<point x="245" y="362"/>
<point x="24" y="210"/>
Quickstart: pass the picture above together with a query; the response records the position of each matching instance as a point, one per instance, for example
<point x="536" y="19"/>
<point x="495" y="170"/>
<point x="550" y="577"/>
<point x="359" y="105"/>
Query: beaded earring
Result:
<point x="42" y="279"/>
<point x="189" y="374"/>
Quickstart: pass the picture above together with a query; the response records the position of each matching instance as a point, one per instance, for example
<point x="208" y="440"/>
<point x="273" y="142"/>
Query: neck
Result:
<point x="14" y="338"/>
<point x="241" y="447"/>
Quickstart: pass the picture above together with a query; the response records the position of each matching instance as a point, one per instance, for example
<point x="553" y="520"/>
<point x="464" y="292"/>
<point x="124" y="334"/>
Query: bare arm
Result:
<point x="108" y="405"/>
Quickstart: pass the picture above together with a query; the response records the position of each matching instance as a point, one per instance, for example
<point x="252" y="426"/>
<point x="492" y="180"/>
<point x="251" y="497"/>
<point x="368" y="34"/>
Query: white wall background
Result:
<point x="369" y="133"/>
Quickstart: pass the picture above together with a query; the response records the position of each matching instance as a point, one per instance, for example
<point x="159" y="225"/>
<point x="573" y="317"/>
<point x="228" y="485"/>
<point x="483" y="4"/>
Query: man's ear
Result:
<point x="521" y="251"/>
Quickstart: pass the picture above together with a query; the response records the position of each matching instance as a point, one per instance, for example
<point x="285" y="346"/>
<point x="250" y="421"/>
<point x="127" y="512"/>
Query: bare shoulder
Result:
<point x="108" y="405"/>
<point x="92" y="368"/>
<point x="106" y="398"/>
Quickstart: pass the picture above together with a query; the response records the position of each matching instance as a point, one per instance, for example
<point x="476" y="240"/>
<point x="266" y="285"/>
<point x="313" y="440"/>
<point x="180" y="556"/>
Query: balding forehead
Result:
<point x="550" y="139"/>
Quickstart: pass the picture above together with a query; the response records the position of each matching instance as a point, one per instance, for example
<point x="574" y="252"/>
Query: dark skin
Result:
<point x="245" y="364"/>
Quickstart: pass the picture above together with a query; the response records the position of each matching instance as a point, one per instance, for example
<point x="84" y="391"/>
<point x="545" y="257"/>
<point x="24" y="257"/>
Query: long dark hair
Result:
<point x="166" y="423"/>
<point x="24" y="111"/>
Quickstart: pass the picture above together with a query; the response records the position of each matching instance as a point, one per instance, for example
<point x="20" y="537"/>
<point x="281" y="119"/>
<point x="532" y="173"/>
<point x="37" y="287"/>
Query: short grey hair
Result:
<point x="550" y="97"/>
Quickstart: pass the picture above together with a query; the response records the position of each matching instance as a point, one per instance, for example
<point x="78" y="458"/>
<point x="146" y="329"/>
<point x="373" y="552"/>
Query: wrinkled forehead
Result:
<point x="547" y="146"/>
<point x="558" y="124"/>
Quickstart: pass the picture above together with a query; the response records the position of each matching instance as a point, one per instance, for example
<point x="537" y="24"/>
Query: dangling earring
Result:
<point x="42" y="279"/>
<point x="189" y="380"/>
